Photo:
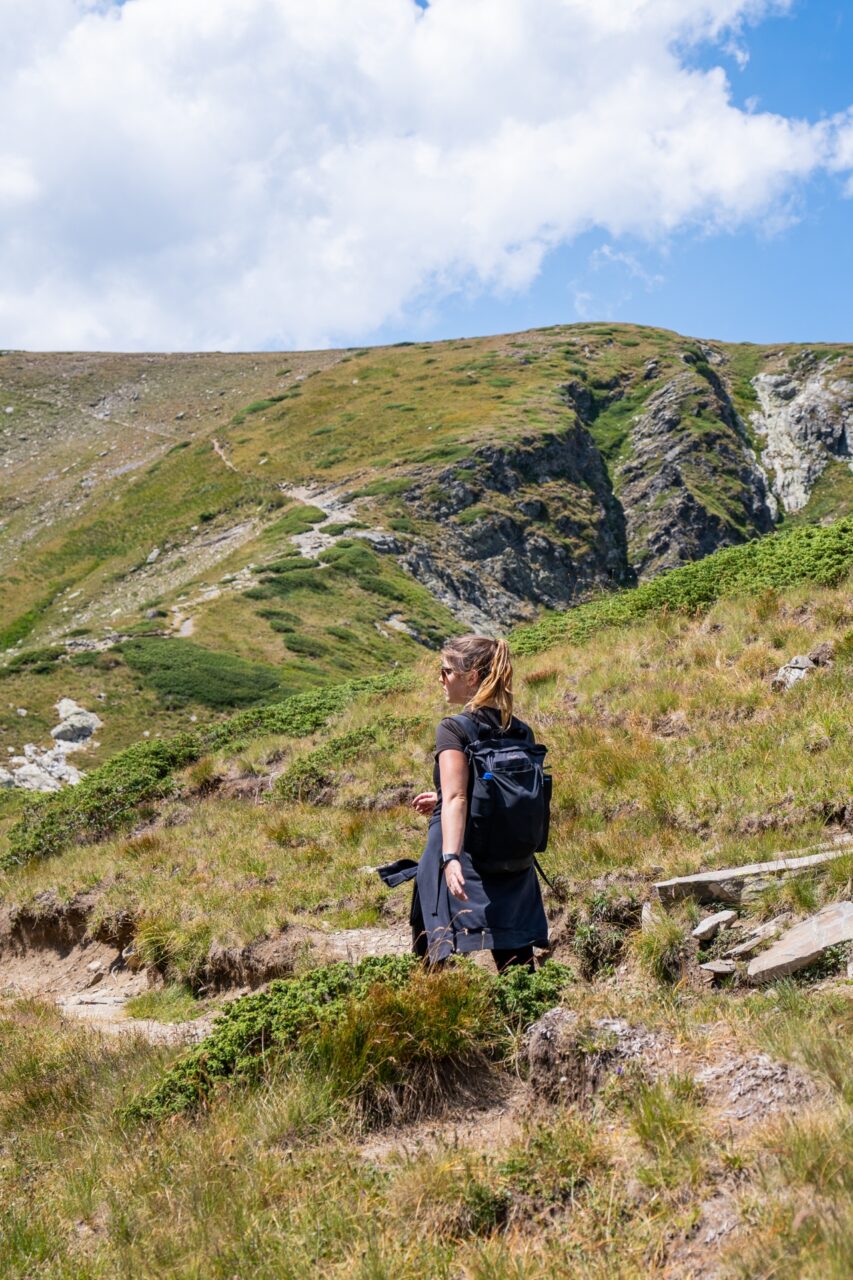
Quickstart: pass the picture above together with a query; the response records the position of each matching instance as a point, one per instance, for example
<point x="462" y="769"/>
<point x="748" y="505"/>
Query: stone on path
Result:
<point x="711" y="925"/>
<point x="804" y="943"/>
<point x="716" y="969"/>
<point x="730" y="883"/>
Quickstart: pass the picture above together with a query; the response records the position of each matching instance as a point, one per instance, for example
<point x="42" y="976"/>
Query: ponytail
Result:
<point x="491" y="659"/>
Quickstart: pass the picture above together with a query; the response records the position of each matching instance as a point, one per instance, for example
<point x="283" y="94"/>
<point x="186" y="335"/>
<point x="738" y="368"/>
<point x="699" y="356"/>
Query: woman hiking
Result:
<point x="458" y="905"/>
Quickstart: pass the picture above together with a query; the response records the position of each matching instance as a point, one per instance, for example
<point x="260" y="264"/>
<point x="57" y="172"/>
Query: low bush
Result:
<point x="311" y="773"/>
<point x="819" y="554"/>
<point x="183" y="672"/>
<point x="35" y="661"/>
<point x="370" y="1031"/>
<point x="298" y="519"/>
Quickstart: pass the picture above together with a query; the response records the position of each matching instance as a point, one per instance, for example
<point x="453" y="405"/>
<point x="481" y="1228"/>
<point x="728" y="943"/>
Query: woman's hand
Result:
<point x="425" y="803"/>
<point x="455" y="880"/>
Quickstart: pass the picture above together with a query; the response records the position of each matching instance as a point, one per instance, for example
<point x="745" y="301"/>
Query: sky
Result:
<point x="271" y="174"/>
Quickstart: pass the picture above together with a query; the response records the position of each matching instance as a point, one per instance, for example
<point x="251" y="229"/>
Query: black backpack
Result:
<point x="509" y="796"/>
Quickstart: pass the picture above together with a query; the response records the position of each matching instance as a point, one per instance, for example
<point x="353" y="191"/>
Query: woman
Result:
<point x="455" y="907"/>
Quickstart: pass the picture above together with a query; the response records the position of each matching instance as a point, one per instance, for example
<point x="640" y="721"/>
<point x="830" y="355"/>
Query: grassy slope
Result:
<point x="664" y="738"/>
<point x="77" y="528"/>
<point x="670" y="752"/>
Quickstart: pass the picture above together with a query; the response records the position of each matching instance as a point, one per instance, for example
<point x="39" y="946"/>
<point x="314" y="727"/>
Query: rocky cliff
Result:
<point x="552" y="518"/>
<point x="516" y="528"/>
<point x="805" y="419"/>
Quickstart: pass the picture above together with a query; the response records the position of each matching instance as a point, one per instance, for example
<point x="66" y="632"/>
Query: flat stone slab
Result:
<point x="711" y="925"/>
<point x="804" y="943"/>
<point x="714" y="970"/>
<point x="763" y="933"/>
<point x="729" y="883"/>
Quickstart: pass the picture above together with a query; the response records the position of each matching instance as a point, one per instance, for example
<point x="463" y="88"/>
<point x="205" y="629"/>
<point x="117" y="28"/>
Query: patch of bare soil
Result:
<point x="570" y="1060"/>
<point x="697" y="1256"/>
<point x="355" y="944"/>
<point x="47" y="952"/>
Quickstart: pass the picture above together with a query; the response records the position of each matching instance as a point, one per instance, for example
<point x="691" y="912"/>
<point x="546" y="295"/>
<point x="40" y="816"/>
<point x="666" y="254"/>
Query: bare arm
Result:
<point x="453" y="771"/>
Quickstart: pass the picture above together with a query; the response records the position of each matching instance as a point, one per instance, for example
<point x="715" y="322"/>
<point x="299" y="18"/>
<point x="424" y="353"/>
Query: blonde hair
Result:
<point x="491" y="660"/>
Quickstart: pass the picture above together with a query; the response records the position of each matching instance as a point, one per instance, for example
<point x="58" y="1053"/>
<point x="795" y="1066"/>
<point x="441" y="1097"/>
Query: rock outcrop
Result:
<point x="690" y="484"/>
<point x="545" y="522"/>
<point x="807" y="941"/>
<point x="805" y="420"/>
<point x="517" y="527"/>
<point x="47" y="768"/>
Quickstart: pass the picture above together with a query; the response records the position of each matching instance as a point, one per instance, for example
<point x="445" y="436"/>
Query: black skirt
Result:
<point x="503" y="911"/>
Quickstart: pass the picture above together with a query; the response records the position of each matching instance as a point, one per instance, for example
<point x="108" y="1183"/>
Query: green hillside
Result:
<point x="308" y="1133"/>
<point x="184" y="535"/>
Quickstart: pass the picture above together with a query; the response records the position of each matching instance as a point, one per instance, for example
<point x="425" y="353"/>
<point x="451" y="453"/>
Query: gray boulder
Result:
<point x="76" y="724"/>
<point x="709" y="927"/>
<point x="805" y="943"/>
<point x="792" y="673"/>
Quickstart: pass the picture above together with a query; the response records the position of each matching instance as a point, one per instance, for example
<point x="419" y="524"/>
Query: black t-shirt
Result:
<point x="450" y="736"/>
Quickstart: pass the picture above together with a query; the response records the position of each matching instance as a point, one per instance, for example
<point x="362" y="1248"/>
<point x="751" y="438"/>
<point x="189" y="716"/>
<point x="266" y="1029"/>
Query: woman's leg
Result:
<point x="505" y="959"/>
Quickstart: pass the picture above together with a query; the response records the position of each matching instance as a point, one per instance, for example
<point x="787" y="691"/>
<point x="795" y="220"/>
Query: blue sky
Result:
<point x="259" y="174"/>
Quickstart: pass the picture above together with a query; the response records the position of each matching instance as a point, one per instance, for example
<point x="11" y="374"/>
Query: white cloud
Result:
<point x="244" y="173"/>
<point x="606" y="255"/>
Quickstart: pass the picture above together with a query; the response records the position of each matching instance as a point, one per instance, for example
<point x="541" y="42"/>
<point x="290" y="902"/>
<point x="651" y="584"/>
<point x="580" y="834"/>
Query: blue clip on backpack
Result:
<point x="509" y="797"/>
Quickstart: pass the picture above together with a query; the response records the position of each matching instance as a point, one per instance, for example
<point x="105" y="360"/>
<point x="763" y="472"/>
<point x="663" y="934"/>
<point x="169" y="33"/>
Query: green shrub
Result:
<point x="183" y="672"/>
<point x="102" y="802"/>
<point x="366" y="1030"/>
<point x="309" y="774"/>
<point x="819" y="554"/>
<point x="36" y="661"/>
<point x="89" y="658"/>
<point x="281" y="584"/>
<point x="298" y="519"/>
<point x="305" y="646"/>
<point x="521" y="996"/>
<point x="289" y="564"/>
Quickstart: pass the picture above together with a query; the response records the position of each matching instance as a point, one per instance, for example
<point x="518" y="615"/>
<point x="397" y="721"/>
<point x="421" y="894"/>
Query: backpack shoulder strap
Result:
<point x="473" y="730"/>
<point x="477" y="731"/>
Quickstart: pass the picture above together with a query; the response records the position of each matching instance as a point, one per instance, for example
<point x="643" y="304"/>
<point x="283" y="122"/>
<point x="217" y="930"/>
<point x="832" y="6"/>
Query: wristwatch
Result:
<point x="449" y="857"/>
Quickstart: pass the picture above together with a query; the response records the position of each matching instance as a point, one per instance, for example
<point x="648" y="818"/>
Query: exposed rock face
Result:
<point x="688" y="484"/>
<point x="41" y="770"/>
<point x="77" y="724"/>
<point x="547" y="529"/>
<point x="806" y="421"/>
<point x="691" y="484"/>
<point x="48" y="769"/>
